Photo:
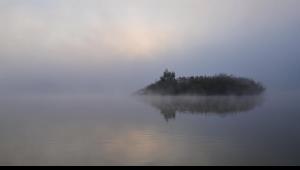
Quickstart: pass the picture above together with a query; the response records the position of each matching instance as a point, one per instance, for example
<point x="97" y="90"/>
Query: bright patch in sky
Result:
<point x="206" y="36"/>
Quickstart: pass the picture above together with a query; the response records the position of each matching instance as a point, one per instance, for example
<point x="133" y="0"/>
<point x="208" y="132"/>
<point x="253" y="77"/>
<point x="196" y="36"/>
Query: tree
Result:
<point x="168" y="76"/>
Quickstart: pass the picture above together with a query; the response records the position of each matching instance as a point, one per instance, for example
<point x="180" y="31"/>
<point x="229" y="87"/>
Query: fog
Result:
<point x="120" y="46"/>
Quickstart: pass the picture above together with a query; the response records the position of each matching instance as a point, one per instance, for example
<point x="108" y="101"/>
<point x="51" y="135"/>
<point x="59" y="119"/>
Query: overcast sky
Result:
<point x="122" y="45"/>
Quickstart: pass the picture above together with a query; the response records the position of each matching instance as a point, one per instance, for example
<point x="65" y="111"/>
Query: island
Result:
<point x="217" y="85"/>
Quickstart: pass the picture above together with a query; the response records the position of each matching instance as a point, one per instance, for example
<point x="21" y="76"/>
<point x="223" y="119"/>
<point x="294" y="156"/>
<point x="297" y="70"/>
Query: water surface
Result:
<point x="111" y="130"/>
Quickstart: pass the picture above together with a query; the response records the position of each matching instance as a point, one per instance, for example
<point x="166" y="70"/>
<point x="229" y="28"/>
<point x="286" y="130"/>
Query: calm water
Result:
<point x="101" y="130"/>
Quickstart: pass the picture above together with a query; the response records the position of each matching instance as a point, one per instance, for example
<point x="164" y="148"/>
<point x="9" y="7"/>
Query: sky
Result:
<point x="120" y="46"/>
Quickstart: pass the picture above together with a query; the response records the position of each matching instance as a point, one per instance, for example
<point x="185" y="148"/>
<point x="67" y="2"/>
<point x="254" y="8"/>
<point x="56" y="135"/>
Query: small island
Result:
<point x="218" y="85"/>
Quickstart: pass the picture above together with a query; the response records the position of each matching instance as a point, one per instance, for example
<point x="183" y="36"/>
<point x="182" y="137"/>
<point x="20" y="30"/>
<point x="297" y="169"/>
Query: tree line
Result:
<point x="221" y="84"/>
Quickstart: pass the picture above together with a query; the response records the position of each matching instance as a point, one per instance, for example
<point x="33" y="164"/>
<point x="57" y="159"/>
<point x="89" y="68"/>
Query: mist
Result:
<point x="120" y="46"/>
<point x="149" y="82"/>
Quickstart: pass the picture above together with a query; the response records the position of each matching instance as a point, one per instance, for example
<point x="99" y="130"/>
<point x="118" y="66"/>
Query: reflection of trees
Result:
<point x="170" y="106"/>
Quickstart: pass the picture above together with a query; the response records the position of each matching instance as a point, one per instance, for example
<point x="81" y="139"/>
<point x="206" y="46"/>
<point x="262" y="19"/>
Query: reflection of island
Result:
<point x="222" y="105"/>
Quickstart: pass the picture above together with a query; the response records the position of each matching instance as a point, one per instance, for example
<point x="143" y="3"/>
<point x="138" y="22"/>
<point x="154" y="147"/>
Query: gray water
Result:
<point x="128" y="130"/>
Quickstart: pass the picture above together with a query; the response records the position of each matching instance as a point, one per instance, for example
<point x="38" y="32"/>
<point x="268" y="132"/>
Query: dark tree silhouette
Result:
<point x="221" y="84"/>
<point x="168" y="76"/>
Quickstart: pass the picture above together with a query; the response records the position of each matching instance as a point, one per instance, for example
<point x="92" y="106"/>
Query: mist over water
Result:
<point x="68" y="71"/>
<point x="115" y="130"/>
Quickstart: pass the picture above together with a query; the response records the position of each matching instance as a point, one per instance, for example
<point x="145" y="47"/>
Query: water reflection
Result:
<point x="108" y="130"/>
<point x="221" y="105"/>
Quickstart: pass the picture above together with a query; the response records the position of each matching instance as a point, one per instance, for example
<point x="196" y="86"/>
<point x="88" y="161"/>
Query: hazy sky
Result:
<point x="121" y="45"/>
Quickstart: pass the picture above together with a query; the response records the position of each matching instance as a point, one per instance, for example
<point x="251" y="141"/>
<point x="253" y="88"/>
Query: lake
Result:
<point x="130" y="130"/>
